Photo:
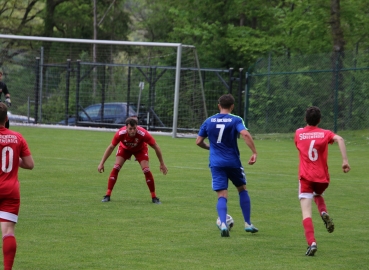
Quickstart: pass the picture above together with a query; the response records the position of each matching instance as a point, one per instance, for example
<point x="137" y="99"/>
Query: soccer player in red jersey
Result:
<point x="14" y="154"/>
<point x="132" y="140"/>
<point x="312" y="144"/>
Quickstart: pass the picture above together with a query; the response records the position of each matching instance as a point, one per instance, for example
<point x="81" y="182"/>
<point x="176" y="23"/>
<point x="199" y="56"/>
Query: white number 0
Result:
<point x="3" y="159"/>
<point x="313" y="153"/>
<point x="221" y="126"/>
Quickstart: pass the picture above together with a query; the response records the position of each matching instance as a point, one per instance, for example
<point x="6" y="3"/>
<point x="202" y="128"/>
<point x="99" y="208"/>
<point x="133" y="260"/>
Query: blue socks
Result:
<point x="222" y="209"/>
<point x="245" y="205"/>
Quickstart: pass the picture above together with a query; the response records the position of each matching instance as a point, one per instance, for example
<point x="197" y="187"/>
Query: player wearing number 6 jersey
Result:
<point x="14" y="154"/>
<point x="312" y="144"/>
<point x="222" y="131"/>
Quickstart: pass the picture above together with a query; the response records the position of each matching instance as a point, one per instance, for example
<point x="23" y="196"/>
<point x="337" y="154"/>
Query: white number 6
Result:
<point x="313" y="153"/>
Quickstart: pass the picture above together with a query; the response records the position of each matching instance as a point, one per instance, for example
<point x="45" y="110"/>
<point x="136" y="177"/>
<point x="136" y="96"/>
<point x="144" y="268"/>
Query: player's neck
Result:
<point x="225" y="111"/>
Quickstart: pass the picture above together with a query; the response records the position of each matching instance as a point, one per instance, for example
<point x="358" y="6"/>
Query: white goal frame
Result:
<point x="179" y="47"/>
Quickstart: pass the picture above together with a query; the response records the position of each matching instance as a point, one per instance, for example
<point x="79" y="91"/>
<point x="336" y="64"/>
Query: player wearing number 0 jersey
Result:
<point x="14" y="154"/>
<point x="312" y="144"/>
<point x="222" y="131"/>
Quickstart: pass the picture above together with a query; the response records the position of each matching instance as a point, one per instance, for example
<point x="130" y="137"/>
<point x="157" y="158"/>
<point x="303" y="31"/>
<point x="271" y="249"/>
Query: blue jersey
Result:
<point x="222" y="131"/>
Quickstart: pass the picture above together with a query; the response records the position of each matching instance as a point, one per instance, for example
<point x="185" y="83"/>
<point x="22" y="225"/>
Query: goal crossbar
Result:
<point x="179" y="47"/>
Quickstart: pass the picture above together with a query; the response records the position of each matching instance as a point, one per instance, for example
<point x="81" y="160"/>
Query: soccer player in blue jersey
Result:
<point x="222" y="131"/>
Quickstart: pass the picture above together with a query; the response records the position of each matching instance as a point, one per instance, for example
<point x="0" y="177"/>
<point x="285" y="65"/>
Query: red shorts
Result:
<point x="9" y="209"/>
<point x="143" y="154"/>
<point x="307" y="189"/>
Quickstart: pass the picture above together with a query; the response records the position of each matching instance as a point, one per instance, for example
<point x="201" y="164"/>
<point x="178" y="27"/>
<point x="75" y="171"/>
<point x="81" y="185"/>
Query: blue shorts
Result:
<point x="220" y="176"/>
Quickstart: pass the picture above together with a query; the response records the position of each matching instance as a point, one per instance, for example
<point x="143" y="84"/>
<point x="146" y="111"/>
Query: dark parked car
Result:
<point x="114" y="113"/>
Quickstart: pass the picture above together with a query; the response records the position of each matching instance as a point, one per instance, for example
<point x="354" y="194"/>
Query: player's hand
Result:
<point x="163" y="169"/>
<point x="252" y="159"/>
<point x="346" y="167"/>
<point x="8" y="102"/>
<point x="100" y="168"/>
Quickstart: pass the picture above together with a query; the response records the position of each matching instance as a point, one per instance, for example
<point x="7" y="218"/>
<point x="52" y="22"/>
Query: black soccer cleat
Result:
<point x="106" y="198"/>
<point x="311" y="249"/>
<point x="156" y="200"/>
<point x="328" y="222"/>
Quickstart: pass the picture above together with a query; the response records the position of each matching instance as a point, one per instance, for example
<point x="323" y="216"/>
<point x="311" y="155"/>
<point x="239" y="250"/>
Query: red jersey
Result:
<point x="133" y="144"/>
<point x="312" y="143"/>
<point x="12" y="147"/>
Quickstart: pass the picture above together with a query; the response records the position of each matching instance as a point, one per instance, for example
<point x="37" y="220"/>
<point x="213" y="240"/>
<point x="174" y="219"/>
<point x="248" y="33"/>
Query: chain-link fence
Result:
<point x="271" y="96"/>
<point x="279" y="89"/>
<point x="62" y="85"/>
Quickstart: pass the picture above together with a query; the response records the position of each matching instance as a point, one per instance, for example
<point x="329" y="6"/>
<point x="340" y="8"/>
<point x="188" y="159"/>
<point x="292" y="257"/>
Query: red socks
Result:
<point x="113" y="178"/>
<point x="149" y="181"/>
<point x="309" y="230"/>
<point x="320" y="203"/>
<point x="9" y="250"/>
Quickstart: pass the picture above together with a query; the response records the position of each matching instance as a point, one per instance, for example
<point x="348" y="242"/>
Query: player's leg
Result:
<point x="306" y="198"/>
<point x="220" y="186"/>
<point x="143" y="158"/>
<point x="8" y="217"/>
<point x="120" y="158"/>
<point x="319" y="189"/>
<point x="9" y="243"/>
<point x="238" y="178"/>
<point x="149" y="178"/>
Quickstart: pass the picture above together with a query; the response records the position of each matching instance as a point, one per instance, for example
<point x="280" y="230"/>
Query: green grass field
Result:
<point x="64" y="225"/>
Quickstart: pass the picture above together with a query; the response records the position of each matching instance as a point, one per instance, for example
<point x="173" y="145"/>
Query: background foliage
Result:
<point x="233" y="33"/>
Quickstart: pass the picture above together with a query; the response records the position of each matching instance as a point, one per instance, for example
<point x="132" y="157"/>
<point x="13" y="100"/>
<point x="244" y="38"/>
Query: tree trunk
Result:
<point x="337" y="59"/>
<point x="49" y="25"/>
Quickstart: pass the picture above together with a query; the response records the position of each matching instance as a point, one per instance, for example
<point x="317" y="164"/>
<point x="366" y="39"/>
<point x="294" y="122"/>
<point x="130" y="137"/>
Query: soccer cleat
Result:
<point x="106" y="198"/>
<point x="328" y="222"/>
<point x="311" y="249"/>
<point x="250" y="228"/>
<point x="156" y="200"/>
<point x="224" y="232"/>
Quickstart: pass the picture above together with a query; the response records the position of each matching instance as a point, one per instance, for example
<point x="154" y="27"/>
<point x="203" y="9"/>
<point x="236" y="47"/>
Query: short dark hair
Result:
<point x="312" y="116"/>
<point x="132" y="121"/>
<point x="3" y="113"/>
<point x="226" y="101"/>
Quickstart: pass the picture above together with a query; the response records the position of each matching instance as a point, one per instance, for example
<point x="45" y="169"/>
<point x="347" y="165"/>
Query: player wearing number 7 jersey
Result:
<point x="312" y="144"/>
<point x="14" y="154"/>
<point x="222" y="130"/>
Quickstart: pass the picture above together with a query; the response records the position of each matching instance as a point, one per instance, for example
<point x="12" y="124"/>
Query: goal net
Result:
<point x="57" y="81"/>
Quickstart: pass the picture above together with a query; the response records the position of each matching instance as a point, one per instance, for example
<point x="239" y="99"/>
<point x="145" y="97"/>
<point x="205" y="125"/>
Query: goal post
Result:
<point x="189" y="106"/>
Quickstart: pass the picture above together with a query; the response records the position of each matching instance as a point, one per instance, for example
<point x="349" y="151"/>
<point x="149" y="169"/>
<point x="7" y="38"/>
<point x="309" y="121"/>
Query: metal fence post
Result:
<point x="78" y="81"/>
<point x="67" y="82"/>
<point x="246" y="111"/>
<point x="37" y="87"/>
<point x="335" y="113"/>
<point x="230" y="80"/>
<point x="240" y="91"/>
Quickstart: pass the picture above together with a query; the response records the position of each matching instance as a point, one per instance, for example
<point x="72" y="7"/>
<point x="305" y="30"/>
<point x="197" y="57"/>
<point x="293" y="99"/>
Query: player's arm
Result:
<point x="246" y="136"/>
<point x="26" y="162"/>
<point x="106" y="155"/>
<point x="200" y="141"/>
<point x="157" y="149"/>
<point x="341" y="144"/>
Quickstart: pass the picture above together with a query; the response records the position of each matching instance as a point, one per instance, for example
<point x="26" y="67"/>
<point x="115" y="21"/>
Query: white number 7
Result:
<point x="221" y="127"/>
<point x="313" y="153"/>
